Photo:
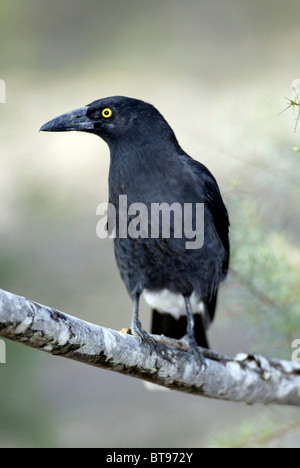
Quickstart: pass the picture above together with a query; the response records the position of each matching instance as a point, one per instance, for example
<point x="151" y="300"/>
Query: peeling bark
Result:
<point x="246" y="378"/>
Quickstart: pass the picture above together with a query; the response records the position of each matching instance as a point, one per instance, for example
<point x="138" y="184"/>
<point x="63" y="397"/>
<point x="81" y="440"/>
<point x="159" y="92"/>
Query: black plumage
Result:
<point x="149" y="166"/>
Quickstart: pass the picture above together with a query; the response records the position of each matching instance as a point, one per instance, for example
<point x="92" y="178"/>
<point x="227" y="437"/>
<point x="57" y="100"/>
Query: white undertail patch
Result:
<point x="173" y="303"/>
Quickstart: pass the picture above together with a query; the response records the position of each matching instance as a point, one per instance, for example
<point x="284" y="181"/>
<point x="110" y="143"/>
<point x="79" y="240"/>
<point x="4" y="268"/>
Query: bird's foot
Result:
<point x="194" y="349"/>
<point x="142" y="336"/>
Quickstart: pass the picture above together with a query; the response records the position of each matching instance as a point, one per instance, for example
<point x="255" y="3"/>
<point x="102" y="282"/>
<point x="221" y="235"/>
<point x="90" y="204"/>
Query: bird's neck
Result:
<point x="138" y="169"/>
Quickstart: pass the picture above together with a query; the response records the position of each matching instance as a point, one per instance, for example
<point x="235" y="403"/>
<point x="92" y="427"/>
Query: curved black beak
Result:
<point x="74" y="120"/>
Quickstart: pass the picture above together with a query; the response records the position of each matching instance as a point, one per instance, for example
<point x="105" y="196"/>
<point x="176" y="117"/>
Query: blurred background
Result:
<point x="219" y="71"/>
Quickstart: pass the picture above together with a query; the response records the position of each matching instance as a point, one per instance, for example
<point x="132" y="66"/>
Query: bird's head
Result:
<point x="115" y="119"/>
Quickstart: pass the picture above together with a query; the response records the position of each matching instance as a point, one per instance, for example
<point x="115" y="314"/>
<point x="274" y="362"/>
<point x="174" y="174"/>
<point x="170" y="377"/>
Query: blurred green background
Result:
<point x="219" y="71"/>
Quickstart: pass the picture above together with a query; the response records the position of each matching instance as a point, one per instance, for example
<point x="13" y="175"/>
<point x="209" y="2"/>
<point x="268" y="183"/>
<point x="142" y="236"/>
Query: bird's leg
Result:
<point x="190" y="335"/>
<point x="136" y="326"/>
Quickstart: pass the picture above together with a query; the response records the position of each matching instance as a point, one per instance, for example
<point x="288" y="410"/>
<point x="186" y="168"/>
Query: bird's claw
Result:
<point x="144" y="338"/>
<point x="194" y="349"/>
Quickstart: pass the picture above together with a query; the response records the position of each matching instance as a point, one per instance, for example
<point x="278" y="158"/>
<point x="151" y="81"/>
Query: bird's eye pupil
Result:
<point x="107" y="113"/>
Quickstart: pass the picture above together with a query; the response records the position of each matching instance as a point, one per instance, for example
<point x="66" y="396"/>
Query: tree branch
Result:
<point x="247" y="378"/>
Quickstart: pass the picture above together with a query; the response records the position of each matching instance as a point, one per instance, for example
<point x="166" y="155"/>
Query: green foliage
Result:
<point x="272" y="429"/>
<point x="266" y="263"/>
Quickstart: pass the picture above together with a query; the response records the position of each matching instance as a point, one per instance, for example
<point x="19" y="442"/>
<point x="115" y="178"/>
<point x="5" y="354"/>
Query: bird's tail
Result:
<point x="166" y="324"/>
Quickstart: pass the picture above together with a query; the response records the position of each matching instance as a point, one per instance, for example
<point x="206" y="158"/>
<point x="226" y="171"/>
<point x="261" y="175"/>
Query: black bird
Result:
<point x="148" y="166"/>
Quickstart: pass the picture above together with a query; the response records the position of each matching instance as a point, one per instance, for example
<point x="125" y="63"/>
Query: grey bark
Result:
<point x="246" y="378"/>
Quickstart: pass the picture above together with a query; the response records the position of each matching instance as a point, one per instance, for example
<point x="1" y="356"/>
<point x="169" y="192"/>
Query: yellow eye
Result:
<point x="106" y="113"/>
